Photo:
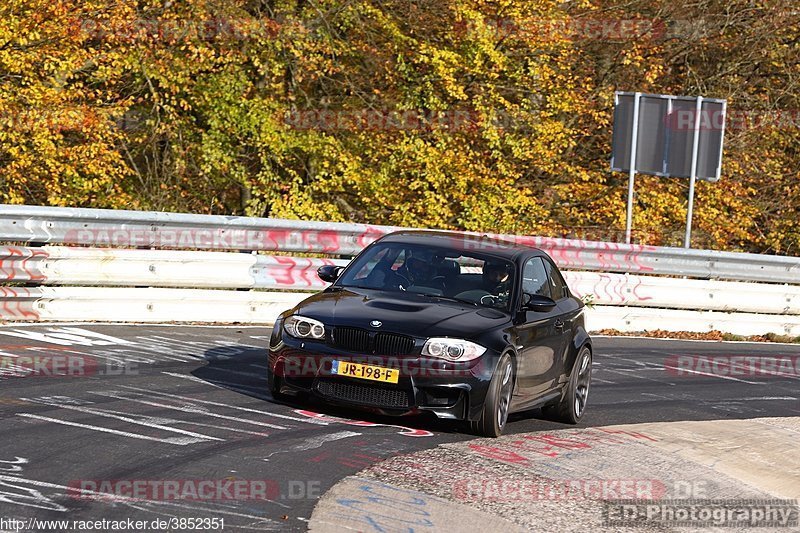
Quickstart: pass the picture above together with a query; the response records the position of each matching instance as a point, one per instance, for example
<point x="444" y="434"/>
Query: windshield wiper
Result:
<point x="452" y="298"/>
<point x="358" y="287"/>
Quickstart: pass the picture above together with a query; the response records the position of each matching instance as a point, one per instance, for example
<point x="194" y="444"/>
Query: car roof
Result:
<point x="462" y="242"/>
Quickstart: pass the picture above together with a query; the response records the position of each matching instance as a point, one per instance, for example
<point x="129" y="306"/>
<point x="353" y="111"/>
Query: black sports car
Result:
<point x="462" y="326"/>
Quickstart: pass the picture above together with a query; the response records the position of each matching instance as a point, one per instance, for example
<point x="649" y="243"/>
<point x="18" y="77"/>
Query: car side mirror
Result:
<point x="537" y="302"/>
<point x="329" y="273"/>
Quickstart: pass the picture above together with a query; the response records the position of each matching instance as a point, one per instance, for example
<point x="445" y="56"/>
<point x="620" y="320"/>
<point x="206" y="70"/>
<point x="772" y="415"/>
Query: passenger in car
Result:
<point x="421" y="270"/>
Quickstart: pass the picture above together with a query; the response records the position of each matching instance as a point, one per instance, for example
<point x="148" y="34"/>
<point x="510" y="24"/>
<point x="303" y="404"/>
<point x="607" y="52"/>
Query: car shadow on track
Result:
<point x="243" y="370"/>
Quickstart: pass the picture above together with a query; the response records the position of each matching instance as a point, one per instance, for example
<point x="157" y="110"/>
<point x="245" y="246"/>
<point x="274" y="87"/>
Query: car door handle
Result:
<point x="559" y="324"/>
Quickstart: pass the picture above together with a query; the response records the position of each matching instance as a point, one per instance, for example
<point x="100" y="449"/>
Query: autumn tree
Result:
<point x="59" y="110"/>
<point x="480" y="115"/>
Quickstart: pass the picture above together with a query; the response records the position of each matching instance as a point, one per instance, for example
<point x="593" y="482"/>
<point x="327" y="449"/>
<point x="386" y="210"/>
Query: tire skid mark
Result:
<point x="146" y="421"/>
<point x="220" y="404"/>
<point x="139" y="398"/>
<point x="181" y="441"/>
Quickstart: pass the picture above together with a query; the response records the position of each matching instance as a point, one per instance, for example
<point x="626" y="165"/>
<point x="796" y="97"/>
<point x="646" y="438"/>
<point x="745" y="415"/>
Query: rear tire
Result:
<point x="498" y="400"/>
<point x="572" y="406"/>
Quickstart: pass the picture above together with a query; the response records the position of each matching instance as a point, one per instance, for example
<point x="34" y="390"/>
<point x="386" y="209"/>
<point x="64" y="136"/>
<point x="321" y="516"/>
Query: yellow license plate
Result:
<point x="356" y="370"/>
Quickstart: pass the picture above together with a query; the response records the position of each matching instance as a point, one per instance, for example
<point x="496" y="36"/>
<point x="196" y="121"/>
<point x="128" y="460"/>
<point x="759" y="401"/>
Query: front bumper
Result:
<point x="450" y="390"/>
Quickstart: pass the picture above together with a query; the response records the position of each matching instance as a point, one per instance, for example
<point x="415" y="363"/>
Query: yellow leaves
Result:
<point x="59" y="140"/>
<point x="110" y="103"/>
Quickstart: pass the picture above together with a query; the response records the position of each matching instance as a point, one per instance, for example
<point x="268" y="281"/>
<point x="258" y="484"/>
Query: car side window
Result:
<point x="534" y="278"/>
<point x="557" y="286"/>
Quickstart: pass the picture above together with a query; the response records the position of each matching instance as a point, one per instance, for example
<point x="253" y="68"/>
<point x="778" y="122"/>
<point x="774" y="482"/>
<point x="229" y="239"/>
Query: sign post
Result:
<point x="687" y="240"/>
<point x="667" y="136"/>
<point x="632" y="171"/>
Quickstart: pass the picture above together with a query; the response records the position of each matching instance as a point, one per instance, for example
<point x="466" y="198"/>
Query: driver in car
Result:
<point x="496" y="279"/>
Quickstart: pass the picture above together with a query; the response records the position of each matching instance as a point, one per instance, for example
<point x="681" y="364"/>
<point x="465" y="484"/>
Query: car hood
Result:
<point x="408" y="313"/>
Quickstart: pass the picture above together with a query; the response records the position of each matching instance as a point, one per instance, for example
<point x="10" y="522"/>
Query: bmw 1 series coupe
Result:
<point x="462" y="326"/>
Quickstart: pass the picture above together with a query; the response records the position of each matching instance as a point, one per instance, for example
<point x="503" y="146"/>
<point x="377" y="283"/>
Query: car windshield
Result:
<point x="472" y="277"/>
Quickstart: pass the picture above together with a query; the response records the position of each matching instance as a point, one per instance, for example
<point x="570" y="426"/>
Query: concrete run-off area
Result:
<point x="561" y="480"/>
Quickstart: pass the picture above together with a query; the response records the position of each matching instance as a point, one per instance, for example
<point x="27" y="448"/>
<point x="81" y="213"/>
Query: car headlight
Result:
<point x="275" y="341"/>
<point x="304" y="328"/>
<point x="452" y="349"/>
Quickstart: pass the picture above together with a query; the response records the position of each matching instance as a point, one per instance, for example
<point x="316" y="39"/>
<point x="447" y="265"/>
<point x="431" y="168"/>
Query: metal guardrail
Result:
<point x="98" y="227"/>
<point x="157" y="267"/>
<point x="59" y="265"/>
<point x="691" y="294"/>
<point x="624" y="318"/>
<point x="123" y="304"/>
<point x="160" y="305"/>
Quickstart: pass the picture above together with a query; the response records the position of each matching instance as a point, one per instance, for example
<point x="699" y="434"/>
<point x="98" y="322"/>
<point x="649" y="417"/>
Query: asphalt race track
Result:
<point x="188" y="405"/>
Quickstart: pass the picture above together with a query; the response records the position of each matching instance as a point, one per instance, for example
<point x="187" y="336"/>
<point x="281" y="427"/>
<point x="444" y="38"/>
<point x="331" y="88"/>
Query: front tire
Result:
<point x="572" y="406"/>
<point x="498" y="400"/>
<point x="274" y="386"/>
